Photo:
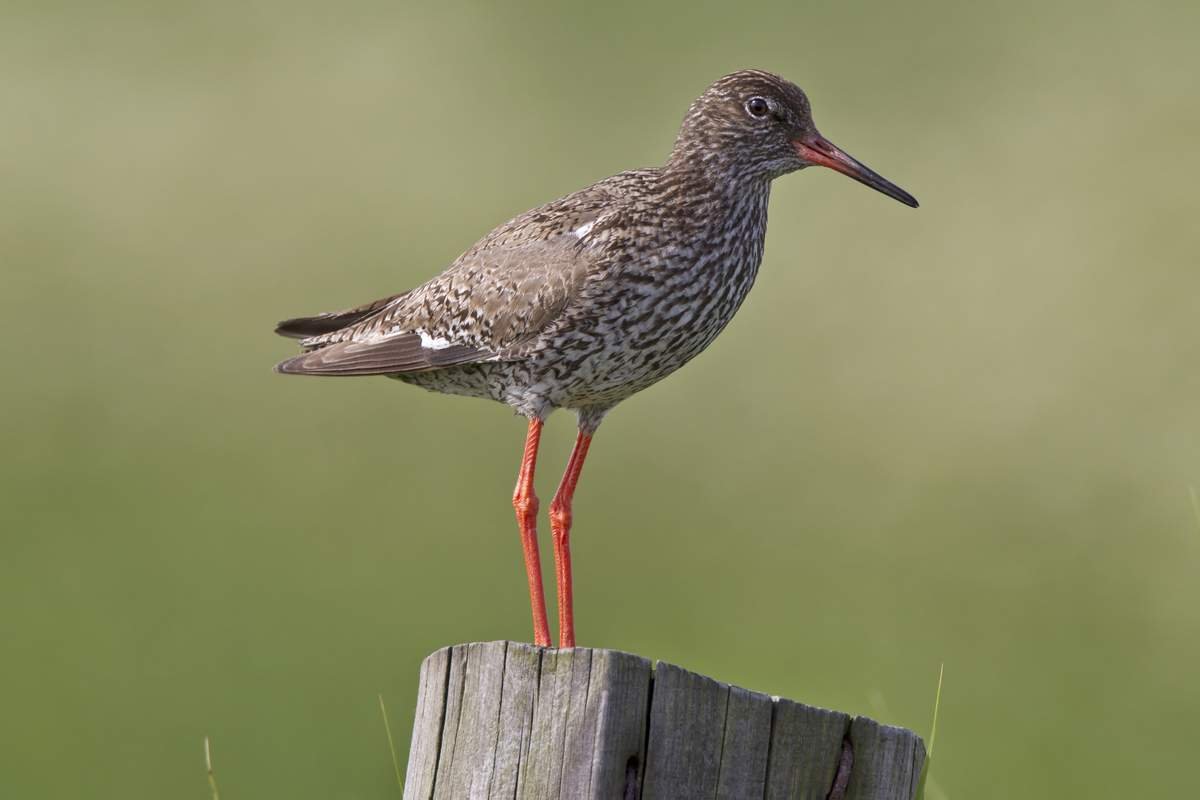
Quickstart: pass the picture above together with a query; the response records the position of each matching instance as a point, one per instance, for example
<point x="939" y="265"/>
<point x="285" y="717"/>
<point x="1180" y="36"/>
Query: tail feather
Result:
<point x="304" y="327"/>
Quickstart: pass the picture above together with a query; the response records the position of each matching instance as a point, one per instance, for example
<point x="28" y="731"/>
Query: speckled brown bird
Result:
<point x="593" y="297"/>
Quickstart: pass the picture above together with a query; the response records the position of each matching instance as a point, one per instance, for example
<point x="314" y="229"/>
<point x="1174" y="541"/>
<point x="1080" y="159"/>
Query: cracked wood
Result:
<point x="509" y="720"/>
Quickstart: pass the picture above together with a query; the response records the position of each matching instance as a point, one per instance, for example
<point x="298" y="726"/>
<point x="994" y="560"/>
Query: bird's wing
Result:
<point x="399" y="353"/>
<point x="497" y="296"/>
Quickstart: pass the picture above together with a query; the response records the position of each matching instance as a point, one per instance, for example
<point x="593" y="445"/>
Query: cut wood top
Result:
<point x="509" y="720"/>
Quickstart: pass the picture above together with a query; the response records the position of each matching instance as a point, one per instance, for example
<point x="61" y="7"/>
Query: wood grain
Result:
<point x="509" y="720"/>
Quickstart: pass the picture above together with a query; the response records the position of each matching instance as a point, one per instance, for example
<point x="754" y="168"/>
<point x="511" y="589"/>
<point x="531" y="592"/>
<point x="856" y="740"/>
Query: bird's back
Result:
<point x="497" y="296"/>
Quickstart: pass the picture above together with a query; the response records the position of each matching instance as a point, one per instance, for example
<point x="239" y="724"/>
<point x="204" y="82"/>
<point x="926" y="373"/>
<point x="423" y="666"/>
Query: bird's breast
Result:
<point x="657" y="313"/>
<point x="665" y="287"/>
<point x="692" y="284"/>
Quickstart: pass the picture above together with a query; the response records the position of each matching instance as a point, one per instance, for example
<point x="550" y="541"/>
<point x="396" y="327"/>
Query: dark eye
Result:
<point x="757" y="107"/>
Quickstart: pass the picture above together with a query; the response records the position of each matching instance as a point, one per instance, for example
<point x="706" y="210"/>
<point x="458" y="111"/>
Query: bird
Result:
<point x="591" y="298"/>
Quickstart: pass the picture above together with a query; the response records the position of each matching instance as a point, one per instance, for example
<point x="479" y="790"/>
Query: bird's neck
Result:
<point x="715" y="170"/>
<point x="714" y="196"/>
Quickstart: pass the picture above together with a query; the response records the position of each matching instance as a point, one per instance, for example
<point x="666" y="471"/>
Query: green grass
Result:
<point x="391" y="744"/>
<point x="937" y="702"/>
<point x="208" y="766"/>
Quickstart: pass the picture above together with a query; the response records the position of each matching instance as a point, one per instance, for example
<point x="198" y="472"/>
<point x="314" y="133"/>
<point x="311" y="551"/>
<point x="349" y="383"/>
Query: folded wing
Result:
<point x="495" y="298"/>
<point x="399" y="353"/>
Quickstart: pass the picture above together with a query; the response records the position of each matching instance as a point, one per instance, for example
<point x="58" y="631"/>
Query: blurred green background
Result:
<point x="965" y="434"/>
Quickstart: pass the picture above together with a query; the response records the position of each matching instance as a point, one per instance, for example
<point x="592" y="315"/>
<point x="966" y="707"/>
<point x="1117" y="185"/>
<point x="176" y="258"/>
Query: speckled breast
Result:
<point x="654" y="316"/>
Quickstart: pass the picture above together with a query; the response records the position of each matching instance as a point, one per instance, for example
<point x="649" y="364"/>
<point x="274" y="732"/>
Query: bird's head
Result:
<point x="760" y="125"/>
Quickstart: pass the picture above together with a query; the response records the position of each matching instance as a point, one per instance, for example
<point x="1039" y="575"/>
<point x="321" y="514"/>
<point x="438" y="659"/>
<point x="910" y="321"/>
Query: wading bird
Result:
<point x="586" y="300"/>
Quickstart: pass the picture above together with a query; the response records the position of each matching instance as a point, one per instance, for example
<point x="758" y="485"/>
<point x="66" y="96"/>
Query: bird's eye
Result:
<point x="757" y="107"/>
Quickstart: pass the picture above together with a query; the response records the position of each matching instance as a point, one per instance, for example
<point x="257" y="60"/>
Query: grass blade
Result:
<point x="391" y="744"/>
<point x="212" y="778"/>
<point x="937" y="701"/>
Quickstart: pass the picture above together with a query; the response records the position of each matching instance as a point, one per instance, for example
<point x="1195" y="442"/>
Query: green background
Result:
<point x="966" y="433"/>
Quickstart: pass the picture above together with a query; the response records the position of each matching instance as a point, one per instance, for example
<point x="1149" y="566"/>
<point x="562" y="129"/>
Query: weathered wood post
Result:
<point x="508" y="720"/>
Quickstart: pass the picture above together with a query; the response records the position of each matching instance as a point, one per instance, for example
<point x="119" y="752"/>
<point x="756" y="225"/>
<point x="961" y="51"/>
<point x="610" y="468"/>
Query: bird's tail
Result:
<point x="304" y="327"/>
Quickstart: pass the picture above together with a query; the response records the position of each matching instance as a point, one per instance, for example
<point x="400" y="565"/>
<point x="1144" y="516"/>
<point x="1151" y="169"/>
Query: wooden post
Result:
<point x="509" y="720"/>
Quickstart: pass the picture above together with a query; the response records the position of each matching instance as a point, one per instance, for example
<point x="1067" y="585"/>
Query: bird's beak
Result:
<point x="816" y="149"/>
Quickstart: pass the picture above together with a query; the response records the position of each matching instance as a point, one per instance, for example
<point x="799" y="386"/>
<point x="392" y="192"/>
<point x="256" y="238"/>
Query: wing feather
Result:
<point x="393" y="355"/>
<point x="495" y="300"/>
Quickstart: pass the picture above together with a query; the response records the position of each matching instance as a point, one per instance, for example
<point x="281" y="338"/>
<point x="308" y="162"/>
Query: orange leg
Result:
<point x="560" y="525"/>
<point x="526" y="504"/>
